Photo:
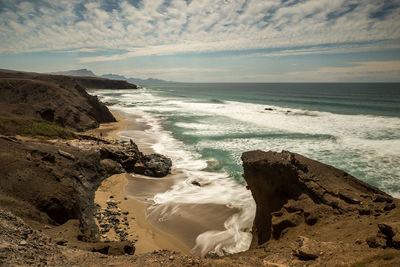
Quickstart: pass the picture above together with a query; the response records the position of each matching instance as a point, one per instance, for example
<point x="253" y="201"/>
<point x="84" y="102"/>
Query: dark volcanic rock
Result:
<point x="290" y="190"/>
<point x="155" y="165"/>
<point x="55" y="98"/>
<point x="388" y="235"/>
<point x="56" y="182"/>
<point x="127" y="157"/>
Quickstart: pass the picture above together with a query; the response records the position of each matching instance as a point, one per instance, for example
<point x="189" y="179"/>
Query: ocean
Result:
<point x="205" y="127"/>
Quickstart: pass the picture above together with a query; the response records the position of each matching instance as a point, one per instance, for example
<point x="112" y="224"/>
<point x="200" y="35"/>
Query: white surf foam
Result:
<point x="217" y="188"/>
<point x="366" y="146"/>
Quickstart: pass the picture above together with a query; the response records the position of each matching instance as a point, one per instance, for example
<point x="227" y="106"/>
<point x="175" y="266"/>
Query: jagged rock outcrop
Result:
<point x="127" y="157"/>
<point x="55" y="98"/>
<point x="155" y="165"/>
<point x="55" y="182"/>
<point x="291" y="190"/>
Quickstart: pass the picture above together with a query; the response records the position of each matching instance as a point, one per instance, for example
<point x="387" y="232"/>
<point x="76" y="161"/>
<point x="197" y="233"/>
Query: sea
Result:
<point x="205" y="128"/>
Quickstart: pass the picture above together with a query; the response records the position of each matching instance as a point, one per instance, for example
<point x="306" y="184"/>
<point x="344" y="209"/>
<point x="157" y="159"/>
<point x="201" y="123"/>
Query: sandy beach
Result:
<point x="173" y="226"/>
<point x="147" y="238"/>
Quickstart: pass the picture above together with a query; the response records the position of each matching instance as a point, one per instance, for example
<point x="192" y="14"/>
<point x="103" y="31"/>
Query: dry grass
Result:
<point x="33" y="127"/>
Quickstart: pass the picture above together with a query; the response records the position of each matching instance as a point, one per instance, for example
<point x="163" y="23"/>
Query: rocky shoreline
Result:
<point x="308" y="213"/>
<point x="319" y="214"/>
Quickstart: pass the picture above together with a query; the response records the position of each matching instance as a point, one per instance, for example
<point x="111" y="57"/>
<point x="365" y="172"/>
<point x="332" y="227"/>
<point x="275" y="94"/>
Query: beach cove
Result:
<point x="174" y="226"/>
<point x="204" y="133"/>
<point x="80" y="199"/>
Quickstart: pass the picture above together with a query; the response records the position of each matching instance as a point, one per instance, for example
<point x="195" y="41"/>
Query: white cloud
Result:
<point x="172" y="73"/>
<point x="357" y="71"/>
<point x="175" y="27"/>
<point x="349" y="48"/>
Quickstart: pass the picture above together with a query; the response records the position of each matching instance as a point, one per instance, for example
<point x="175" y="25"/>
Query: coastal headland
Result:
<point x="73" y="194"/>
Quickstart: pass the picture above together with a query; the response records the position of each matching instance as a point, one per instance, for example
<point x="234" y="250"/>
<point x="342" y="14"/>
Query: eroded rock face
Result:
<point x="291" y="190"/>
<point x="155" y="165"/>
<point x="55" y="182"/>
<point x="127" y="157"/>
<point x="55" y="98"/>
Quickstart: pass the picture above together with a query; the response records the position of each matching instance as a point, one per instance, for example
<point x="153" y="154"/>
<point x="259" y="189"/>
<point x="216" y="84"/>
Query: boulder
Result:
<point x="390" y="231"/>
<point x="309" y="249"/>
<point x="154" y="165"/>
<point x="127" y="156"/>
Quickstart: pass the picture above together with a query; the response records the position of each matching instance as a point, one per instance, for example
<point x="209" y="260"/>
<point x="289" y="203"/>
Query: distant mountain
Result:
<point x="81" y="72"/>
<point x="149" y="80"/>
<point x="131" y="80"/>
<point x="113" y="76"/>
<point x="110" y="76"/>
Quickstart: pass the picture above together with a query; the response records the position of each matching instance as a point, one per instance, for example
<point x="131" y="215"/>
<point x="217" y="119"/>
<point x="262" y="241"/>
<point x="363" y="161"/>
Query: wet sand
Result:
<point x="172" y="226"/>
<point x="147" y="238"/>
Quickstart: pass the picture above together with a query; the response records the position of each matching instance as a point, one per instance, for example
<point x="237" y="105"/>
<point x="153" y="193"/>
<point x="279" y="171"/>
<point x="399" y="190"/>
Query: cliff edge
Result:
<point x="55" y="98"/>
<point x="313" y="211"/>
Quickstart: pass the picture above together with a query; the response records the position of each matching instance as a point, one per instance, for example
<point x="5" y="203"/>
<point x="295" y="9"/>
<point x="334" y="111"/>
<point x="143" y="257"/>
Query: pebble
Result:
<point x="108" y="218"/>
<point x="23" y="243"/>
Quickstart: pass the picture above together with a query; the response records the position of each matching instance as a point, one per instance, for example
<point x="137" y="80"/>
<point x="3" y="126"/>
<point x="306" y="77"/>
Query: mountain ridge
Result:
<point x="110" y="76"/>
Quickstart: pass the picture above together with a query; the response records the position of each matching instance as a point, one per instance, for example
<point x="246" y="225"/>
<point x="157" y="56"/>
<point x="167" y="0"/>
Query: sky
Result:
<point x="206" y="40"/>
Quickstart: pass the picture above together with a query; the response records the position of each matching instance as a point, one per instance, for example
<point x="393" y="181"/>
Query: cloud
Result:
<point x="170" y="73"/>
<point x="158" y="27"/>
<point x="365" y="69"/>
<point x="337" y="49"/>
<point x="374" y="71"/>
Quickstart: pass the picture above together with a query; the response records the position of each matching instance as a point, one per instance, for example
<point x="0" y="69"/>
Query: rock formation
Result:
<point x="316" y="209"/>
<point x="153" y="165"/>
<point x="55" y="182"/>
<point x="55" y="98"/>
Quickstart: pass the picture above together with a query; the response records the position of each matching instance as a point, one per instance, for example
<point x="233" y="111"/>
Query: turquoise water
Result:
<point x="354" y="127"/>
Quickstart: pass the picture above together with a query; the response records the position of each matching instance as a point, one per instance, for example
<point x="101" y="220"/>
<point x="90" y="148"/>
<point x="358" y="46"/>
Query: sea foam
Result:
<point x="366" y="146"/>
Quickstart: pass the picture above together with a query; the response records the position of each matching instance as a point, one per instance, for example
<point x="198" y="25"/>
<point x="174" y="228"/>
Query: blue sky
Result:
<point x="206" y="41"/>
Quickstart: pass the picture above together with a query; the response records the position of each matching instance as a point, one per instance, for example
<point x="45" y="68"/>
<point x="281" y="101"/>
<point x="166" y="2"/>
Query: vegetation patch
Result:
<point x="33" y="127"/>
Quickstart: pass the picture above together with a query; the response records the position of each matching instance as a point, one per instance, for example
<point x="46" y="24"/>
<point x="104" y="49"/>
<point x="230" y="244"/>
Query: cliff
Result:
<point x="313" y="211"/>
<point x="55" y="98"/>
